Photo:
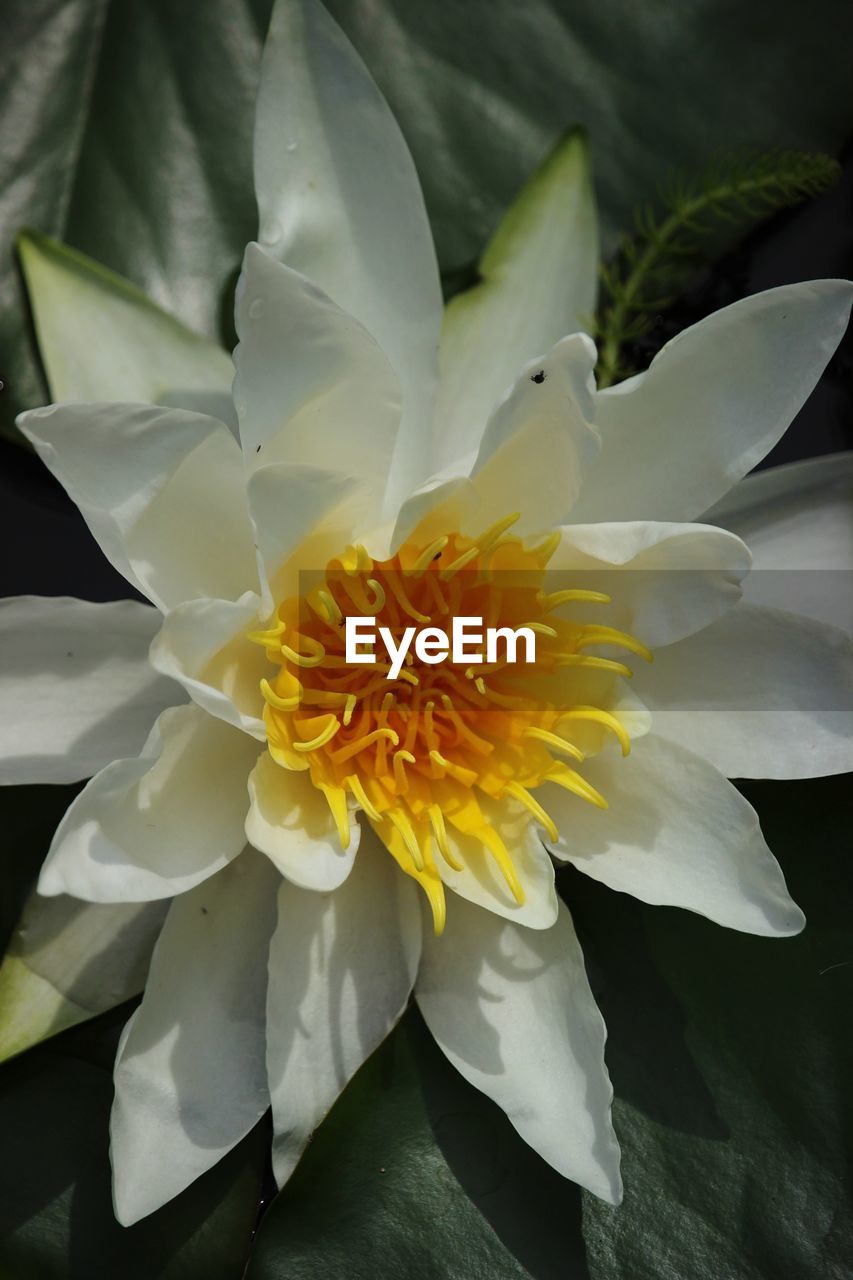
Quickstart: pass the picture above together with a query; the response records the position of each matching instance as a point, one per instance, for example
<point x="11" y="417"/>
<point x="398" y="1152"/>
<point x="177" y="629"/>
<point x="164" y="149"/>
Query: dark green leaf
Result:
<point x="28" y="818"/>
<point x="56" y="1219"/>
<point x="483" y="90"/>
<point x="129" y="136"/>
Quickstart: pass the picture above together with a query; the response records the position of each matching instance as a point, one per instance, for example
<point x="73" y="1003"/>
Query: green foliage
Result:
<point x="734" y="193"/>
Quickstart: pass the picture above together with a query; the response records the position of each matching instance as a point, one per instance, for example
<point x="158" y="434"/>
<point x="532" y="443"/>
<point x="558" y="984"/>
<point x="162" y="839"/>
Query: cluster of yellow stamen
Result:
<point x="422" y="754"/>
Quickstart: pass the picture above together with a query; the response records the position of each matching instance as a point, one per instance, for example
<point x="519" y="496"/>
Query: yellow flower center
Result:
<point x="421" y="754"/>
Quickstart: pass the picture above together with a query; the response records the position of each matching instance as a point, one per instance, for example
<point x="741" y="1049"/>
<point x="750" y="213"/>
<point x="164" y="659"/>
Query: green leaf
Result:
<point x="374" y="1195"/>
<point x="730" y="1057"/>
<point x="56" y="1218"/>
<point x="100" y="338"/>
<point x="129" y="137"/>
<point x="483" y="89"/>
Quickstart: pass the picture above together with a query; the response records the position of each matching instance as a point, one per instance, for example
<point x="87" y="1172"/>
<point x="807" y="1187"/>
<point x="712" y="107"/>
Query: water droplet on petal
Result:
<point x="256" y="309"/>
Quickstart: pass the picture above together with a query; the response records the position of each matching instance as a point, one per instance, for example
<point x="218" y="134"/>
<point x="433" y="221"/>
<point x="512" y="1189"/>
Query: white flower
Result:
<point x="283" y="962"/>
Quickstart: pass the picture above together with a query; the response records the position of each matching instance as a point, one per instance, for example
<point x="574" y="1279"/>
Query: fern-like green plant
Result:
<point x="666" y="247"/>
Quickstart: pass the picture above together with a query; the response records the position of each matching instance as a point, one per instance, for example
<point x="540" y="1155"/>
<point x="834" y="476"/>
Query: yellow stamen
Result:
<point x="361" y="744"/>
<point x="466" y="776"/>
<point x="325" y="735"/>
<point x="571" y="780"/>
<point x="609" y="635"/>
<point x="400" y="778"/>
<point x="427" y="556"/>
<point x="499" y="852"/>
<point x="315" y="655"/>
<point x="357" y="788"/>
<point x="554" y="599"/>
<point x="459" y="563"/>
<point x="436" y="818"/>
<point x="516" y="790"/>
<point x="553" y="740"/>
<point x="276" y="700"/>
<point x="337" y="801"/>
<point x="406" y="830"/>
<point x="598" y="716"/>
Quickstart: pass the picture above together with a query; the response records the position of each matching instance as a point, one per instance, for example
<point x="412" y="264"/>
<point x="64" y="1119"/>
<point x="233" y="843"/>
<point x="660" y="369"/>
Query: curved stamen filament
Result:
<point x="361" y="744"/>
<point x="436" y="818"/>
<point x="315" y="655"/>
<point x="325" y="735"/>
<point x="516" y="790"/>
<point x="553" y="740"/>
<point x="598" y="716"/>
<point x="571" y="780"/>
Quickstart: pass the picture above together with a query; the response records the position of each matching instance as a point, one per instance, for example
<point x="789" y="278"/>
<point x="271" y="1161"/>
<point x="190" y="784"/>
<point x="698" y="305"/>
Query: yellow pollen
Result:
<point x="444" y="747"/>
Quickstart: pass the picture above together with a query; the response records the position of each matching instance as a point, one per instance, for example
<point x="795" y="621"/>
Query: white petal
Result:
<point x="68" y="961"/>
<point x="290" y="821"/>
<point x="538" y="281"/>
<point x="716" y="399"/>
<point x="303" y="517"/>
<point x="798" y="521"/>
<point x="162" y="490"/>
<point x="340" y="202"/>
<point x="665" y="580"/>
<point x="761" y="694"/>
<point x="76" y="687"/>
<point x="341" y="970"/>
<point x="539" y="441"/>
<point x="677" y="833"/>
<point x="203" y="646"/>
<point x="312" y="387"/>
<point x="100" y="338"/>
<point x="190" y="1074"/>
<point x="480" y="880"/>
<point x="512" y="1009"/>
<point x="156" y="826"/>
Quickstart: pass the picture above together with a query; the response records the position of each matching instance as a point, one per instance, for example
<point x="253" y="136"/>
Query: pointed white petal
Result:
<point x="512" y="1009"/>
<point x="203" y="646"/>
<point x="312" y="387"/>
<point x="76" y="687"/>
<point x="340" y="202"/>
<point x="538" y="281"/>
<point x="190" y="1074"/>
<point x="798" y="522"/>
<point x="70" y="960"/>
<point x="480" y="881"/>
<point x="760" y="693"/>
<point x="100" y="338"/>
<point x="677" y="833"/>
<point x="156" y="826"/>
<point x="714" y="402"/>
<point x="539" y="441"/>
<point x="162" y="490"/>
<point x="665" y="580"/>
<point x="341" y="970"/>
<point x="290" y="821"/>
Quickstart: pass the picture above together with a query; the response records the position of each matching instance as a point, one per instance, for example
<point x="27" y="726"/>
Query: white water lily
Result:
<point x="334" y="842"/>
